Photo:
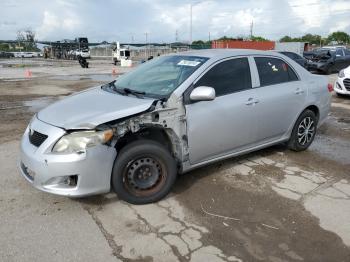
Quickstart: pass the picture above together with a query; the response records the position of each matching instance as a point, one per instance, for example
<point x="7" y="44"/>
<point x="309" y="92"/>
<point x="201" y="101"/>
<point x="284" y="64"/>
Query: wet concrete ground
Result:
<point x="270" y="205"/>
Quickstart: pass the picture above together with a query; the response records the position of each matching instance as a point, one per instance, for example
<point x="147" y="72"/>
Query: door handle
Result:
<point x="298" y="91"/>
<point x="252" y="101"/>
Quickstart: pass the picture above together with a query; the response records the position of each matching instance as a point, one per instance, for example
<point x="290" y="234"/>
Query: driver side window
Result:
<point x="228" y="77"/>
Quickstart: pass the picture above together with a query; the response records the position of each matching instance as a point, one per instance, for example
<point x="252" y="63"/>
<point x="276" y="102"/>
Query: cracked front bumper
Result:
<point x="47" y="171"/>
<point x="317" y="66"/>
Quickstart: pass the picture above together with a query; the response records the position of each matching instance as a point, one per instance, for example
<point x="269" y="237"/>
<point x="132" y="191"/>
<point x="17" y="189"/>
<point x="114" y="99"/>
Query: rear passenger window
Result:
<point x="228" y="77"/>
<point x="339" y="52"/>
<point x="274" y="71"/>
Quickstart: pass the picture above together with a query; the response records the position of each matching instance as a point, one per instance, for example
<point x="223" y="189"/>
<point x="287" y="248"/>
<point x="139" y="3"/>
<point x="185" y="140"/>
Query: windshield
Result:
<point x="161" y="76"/>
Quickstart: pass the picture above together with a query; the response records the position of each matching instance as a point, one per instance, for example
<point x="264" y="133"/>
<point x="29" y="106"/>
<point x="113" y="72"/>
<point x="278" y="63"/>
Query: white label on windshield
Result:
<point x="188" y="63"/>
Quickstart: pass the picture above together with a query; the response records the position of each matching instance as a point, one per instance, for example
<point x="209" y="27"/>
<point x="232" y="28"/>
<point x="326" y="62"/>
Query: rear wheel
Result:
<point x="304" y="131"/>
<point x="143" y="172"/>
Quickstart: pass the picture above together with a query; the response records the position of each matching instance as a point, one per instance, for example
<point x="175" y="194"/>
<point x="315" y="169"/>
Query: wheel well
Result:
<point x="314" y="109"/>
<point x="152" y="133"/>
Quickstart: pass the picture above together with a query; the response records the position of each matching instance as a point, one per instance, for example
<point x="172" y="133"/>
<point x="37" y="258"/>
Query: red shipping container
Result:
<point x="258" y="45"/>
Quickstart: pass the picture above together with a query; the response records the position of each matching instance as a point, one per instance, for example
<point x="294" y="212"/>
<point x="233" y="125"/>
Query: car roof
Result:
<point x="334" y="47"/>
<point x="222" y="53"/>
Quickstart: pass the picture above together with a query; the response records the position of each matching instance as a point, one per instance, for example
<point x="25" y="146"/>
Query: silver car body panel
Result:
<point x="200" y="133"/>
<point x="90" y="108"/>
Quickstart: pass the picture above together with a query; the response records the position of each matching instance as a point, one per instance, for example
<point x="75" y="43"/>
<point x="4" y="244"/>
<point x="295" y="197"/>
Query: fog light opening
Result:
<point x="62" y="182"/>
<point x="72" y="180"/>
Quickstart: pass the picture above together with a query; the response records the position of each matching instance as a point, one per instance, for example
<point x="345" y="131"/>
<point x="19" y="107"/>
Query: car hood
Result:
<point x="347" y="71"/>
<point x="90" y="108"/>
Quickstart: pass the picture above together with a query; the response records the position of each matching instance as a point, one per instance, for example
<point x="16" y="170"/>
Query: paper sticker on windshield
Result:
<point x="188" y="63"/>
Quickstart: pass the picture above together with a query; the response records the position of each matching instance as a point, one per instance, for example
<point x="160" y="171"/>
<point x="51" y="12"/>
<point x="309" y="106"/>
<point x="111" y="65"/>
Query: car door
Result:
<point x="347" y="58"/>
<point x="281" y="97"/>
<point x="340" y="59"/>
<point x="228" y="122"/>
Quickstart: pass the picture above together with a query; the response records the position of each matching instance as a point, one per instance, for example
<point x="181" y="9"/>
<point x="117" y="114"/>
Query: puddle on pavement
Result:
<point x="333" y="148"/>
<point x="38" y="104"/>
<point x="93" y="77"/>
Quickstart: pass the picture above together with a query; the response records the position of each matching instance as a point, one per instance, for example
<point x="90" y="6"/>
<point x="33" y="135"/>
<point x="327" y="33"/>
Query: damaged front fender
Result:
<point x="169" y="117"/>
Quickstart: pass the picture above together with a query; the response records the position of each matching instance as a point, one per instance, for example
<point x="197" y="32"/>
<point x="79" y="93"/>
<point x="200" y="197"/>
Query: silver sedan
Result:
<point x="169" y="116"/>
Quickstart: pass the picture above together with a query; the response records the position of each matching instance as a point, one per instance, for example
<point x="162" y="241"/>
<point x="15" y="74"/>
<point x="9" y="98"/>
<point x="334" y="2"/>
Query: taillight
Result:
<point x="330" y="88"/>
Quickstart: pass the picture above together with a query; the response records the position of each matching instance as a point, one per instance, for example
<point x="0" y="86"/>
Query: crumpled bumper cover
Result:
<point x="43" y="169"/>
<point x="317" y="66"/>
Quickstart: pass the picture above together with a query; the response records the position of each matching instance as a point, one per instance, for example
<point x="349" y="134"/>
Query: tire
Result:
<point x="143" y="172"/>
<point x="297" y="141"/>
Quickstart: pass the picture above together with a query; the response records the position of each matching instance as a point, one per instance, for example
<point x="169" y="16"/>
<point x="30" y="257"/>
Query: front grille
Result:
<point x="347" y="83"/>
<point x="36" y="138"/>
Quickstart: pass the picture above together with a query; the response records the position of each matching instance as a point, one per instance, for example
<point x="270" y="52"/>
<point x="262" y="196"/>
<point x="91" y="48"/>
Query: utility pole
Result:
<point x="190" y="24"/>
<point x="191" y="5"/>
<point x="251" y="30"/>
<point x="176" y="36"/>
<point x="209" y="37"/>
<point x="146" y="34"/>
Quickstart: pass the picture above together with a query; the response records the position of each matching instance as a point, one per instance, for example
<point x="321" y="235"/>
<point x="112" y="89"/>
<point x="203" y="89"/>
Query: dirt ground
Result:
<point x="271" y="205"/>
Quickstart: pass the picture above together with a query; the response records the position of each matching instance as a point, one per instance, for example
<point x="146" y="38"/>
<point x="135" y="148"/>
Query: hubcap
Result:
<point x="144" y="176"/>
<point x="306" y="130"/>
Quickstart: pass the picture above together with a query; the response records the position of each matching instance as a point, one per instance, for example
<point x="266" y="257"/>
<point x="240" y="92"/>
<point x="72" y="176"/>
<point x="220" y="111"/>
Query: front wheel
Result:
<point x="304" y="131"/>
<point x="143" y="172"/>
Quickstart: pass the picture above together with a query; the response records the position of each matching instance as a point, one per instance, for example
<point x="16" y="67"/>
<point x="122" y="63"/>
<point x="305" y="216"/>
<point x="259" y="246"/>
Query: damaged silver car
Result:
<point x="168" y="116"/>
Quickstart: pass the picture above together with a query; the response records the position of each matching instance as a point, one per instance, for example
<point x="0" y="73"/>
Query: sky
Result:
<point x="166" y="21"/>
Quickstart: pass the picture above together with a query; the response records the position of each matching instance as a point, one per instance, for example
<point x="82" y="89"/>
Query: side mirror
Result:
<point x="202" y="93"/>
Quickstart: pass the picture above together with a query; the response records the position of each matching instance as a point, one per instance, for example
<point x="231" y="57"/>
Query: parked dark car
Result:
<point x="6" y="54"/>
<point x="297" y="58"/>
<point x="328" y="60"/>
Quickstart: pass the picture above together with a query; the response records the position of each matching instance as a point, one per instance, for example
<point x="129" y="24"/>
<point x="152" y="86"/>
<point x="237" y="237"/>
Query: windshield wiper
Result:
<point x="125" y="90"/>
<point x="133" y="92"/>
<point x="112" y="86"/>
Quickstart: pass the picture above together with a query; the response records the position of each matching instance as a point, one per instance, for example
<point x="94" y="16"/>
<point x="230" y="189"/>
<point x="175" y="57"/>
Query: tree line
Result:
<point x="338" y="37"/>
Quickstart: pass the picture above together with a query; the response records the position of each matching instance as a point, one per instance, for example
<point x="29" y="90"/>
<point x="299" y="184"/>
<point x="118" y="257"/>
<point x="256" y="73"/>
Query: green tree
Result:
<point x="286" y="39"/>
<point x="340" y="37"/>
<point x="312" y="39"/>
<point x="226" y="38"/>
<point x="198" y="42"/>
<point x="4" y="47"/>
<point x="259" y="38"/>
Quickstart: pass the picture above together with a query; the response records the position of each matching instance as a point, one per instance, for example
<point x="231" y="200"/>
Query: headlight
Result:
<point x="341" y="73"/>
<point x="78" y="141"/>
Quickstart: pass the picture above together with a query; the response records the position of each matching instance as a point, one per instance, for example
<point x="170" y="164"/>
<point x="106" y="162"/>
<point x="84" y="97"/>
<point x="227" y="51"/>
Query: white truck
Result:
<point x="295" y="47"/>
<point x="120" y="54"/>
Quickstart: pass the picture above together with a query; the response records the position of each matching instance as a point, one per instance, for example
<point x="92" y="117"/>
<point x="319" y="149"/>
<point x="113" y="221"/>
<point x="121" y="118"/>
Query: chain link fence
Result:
<point x="136" y="53"/>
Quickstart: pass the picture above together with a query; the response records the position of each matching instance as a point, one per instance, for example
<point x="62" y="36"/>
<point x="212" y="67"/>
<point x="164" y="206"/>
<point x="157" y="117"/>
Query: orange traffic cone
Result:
<point x="28" y="73"/>
<point x="114" y="71"/>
